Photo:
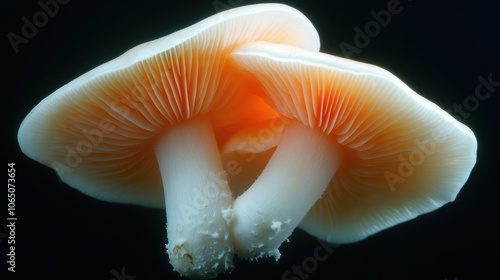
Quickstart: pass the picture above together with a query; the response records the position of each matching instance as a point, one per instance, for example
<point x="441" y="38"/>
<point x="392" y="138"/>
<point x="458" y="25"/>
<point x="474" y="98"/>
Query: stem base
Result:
<point x="294" y="179"/>
<point x="196" y="194"/>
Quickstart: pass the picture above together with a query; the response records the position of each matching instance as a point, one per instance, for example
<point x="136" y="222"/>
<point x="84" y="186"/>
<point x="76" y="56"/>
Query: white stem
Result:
<point x="294" y="179"/>
<point x="196" y="195"/>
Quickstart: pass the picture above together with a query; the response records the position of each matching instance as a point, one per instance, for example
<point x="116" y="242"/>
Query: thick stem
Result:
<point x="196" y="196"/>
<point x="294" y="179"/>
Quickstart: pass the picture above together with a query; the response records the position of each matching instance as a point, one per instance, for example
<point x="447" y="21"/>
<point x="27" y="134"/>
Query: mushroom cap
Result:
<point x="98" y="131"/>
<point x="401" y="156"/>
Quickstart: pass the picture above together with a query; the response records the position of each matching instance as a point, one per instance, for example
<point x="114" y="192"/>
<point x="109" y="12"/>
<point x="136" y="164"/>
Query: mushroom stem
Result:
<point x="196" y="195"/>
<point x="294" y="179"/>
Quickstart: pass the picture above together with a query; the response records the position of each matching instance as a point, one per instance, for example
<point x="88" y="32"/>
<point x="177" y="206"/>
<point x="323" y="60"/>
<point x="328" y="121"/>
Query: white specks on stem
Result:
<point x="276" y="226"/>
<point x="228" y="215"/>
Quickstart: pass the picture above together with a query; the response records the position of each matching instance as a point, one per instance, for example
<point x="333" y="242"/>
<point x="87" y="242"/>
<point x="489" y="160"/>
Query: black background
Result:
<point x="438" y="49"/>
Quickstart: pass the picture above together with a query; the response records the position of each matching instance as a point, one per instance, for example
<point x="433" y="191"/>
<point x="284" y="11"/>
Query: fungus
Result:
<point x="145" y="127"/>
<point x="360" y="152"/>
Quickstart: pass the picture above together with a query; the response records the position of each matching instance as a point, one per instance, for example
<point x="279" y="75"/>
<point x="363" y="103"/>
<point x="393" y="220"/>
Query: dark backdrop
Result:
<point x="438" y="49"/>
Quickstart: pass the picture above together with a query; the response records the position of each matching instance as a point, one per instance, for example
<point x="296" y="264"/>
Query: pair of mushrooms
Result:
<point x="354" y="150"/>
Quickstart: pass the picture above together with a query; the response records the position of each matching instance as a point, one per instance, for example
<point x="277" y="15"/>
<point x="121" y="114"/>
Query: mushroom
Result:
<point x="145" y="127"/>
<point x="360" y="152"/>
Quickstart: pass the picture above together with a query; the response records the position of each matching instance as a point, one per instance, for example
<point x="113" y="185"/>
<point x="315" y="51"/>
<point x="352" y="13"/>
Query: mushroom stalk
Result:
<point x="294" y="179"/>
<point x="196" y="195"/>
